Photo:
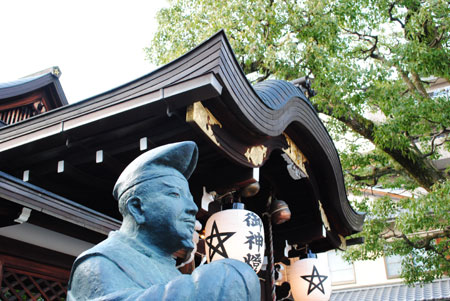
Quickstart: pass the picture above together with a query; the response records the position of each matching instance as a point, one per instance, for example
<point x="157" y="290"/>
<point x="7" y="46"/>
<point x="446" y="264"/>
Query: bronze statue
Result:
<point x="135" y="262"/>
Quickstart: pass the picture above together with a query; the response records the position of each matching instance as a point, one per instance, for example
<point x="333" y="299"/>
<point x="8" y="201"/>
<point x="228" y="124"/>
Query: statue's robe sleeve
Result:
<point x="112" y="270"/>
<point x="98" y="278"/>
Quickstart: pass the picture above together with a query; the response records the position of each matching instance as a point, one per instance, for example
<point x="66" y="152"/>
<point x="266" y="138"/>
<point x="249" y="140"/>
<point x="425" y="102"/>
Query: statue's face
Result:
<point x="169" y="212"/>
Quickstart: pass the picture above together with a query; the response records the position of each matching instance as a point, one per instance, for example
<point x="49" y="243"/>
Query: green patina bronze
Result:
<point x="135" y="262"/>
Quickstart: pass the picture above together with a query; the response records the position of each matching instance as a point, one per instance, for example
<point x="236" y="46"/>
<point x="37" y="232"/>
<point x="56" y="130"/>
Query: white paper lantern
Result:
<point x="310" y="280"/>
<point x="237" y="234"/>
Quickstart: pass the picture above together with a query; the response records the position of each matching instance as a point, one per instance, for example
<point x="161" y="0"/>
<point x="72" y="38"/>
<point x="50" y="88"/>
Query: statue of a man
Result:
<point x="135" y="262"/>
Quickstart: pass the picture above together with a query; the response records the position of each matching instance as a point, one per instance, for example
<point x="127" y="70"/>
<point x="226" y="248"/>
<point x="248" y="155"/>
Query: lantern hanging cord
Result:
<point x="271" y="264"/>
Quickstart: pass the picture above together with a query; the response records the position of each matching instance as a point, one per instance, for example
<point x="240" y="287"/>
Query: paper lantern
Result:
<point x="237" y="234"/>
<point x="310" y="280"/>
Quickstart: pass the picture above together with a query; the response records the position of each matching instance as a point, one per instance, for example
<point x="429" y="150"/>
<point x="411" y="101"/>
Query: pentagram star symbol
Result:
<point x="219" y="248"/>
<point x="312" y="284"/>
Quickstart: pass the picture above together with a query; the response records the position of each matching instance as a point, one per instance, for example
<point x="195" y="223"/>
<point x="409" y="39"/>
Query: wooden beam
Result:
<point x="34" y="268"/>
<point x="13" y="247"/>
<point x="35" y="96"/>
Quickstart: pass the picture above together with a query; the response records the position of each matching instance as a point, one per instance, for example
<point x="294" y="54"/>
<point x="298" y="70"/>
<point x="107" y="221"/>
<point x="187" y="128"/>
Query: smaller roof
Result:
<point x="436" y="290"/>
<point x="40" y="200"/>
<point x="48" y="77"/>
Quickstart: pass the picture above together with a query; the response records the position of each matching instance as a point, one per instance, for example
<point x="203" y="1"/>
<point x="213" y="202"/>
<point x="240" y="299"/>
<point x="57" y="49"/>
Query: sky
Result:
<point x="97" y="44"/>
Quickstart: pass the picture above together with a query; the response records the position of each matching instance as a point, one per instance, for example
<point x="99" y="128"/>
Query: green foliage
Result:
<point x="369" y="60"/>
<point x="415" y="228"/>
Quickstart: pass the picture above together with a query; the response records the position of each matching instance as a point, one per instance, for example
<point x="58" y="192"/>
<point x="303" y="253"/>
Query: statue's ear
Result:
<point x="134" y="206"/>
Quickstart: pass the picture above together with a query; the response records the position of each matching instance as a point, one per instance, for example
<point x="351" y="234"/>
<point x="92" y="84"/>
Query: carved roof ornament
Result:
<point x="295" y="154"/>
<point x="204" y="119"/>
<point x="323" y="216"/>
<point x="256" y="154"/>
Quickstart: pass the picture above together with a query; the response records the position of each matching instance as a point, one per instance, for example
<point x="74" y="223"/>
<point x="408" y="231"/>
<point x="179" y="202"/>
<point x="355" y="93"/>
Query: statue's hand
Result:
<point x="226" y="279"/>
<point x="180" y="288"/>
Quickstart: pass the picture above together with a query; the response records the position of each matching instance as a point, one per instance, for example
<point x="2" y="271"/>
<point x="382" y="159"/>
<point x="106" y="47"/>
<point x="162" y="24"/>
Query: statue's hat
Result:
<point x="160" y="161"/>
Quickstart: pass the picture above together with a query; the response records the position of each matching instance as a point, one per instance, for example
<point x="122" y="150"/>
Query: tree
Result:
<point x="367" y="58"/>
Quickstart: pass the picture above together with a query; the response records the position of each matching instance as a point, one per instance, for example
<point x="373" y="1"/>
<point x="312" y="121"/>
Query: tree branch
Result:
<point x="262" y="78"/>
<point x="373" y="40"/>
<point x="375" y="175"/>
<point x="391" y="18"/>
<point x="418" y="84"/>
<point x="435" y="145"/>
<point x="406" y="79"/>
<point x="372" y="52"/>
<point x="414" y="164"/>
<point x="255" y="66"/>
<point x="425" y="243"/>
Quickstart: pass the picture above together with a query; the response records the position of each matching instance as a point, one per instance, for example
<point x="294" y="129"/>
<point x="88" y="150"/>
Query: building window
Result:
<point x="393" y="266"/>
<point x="341" y="271"/>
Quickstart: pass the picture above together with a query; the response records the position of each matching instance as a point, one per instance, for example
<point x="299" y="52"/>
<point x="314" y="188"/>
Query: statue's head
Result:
<point x="154" y="197"/>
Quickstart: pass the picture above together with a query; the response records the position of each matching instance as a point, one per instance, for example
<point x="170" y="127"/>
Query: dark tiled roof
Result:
<point x="276" y="93"/>
<point x="437" y="290"/>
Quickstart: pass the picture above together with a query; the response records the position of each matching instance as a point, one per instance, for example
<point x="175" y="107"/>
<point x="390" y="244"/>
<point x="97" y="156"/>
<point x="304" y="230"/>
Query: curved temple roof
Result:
<point x="243" y="122"/>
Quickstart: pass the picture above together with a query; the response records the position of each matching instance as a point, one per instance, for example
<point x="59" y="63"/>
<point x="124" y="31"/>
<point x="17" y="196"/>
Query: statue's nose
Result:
<point x="191" y="207"/>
